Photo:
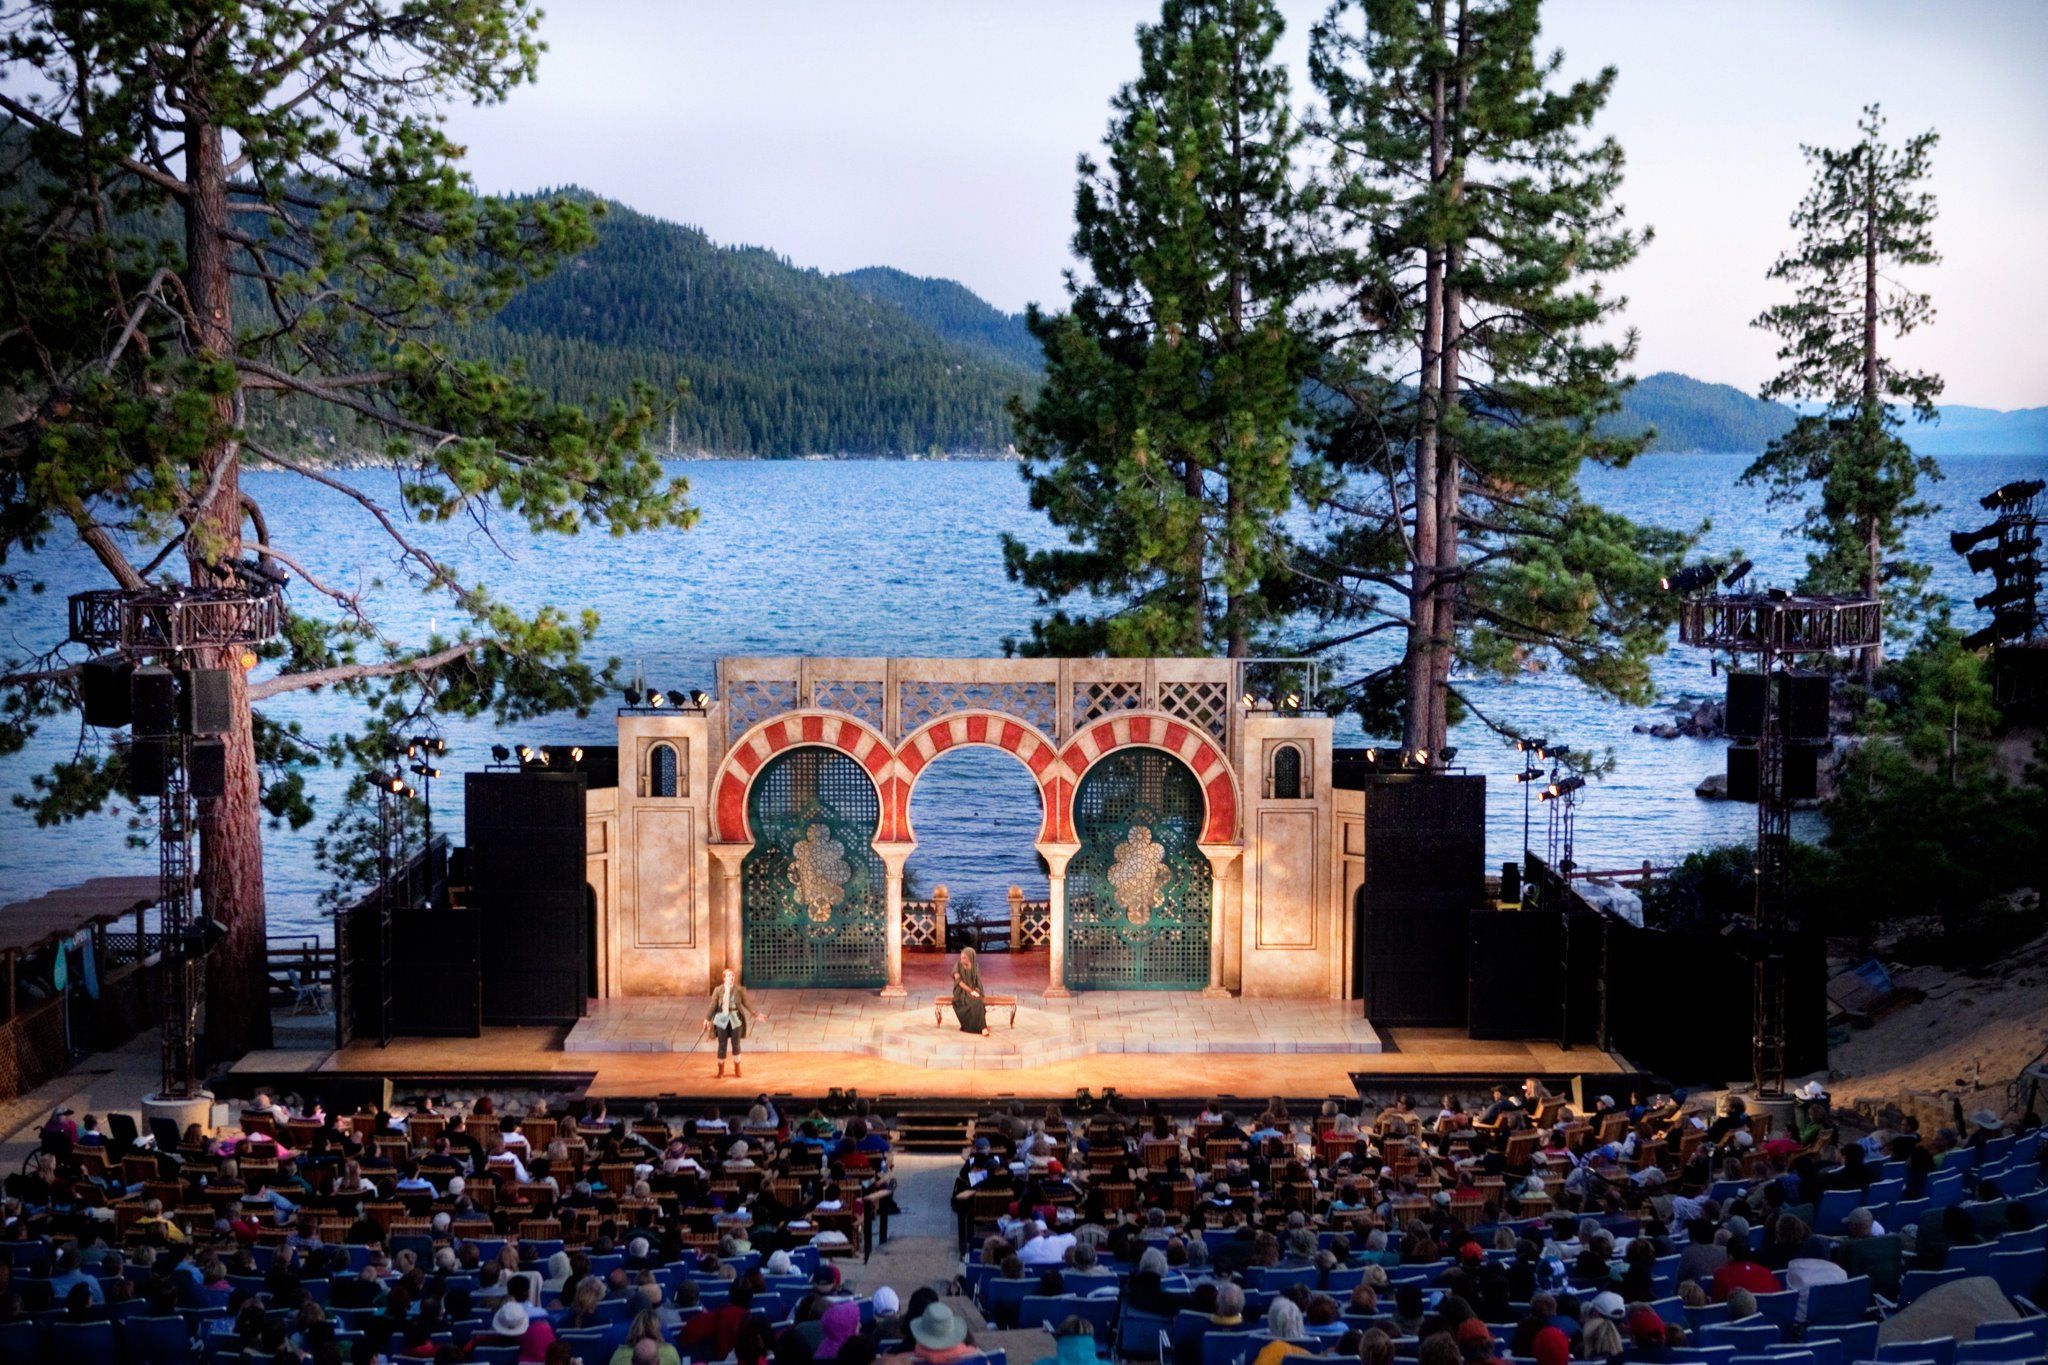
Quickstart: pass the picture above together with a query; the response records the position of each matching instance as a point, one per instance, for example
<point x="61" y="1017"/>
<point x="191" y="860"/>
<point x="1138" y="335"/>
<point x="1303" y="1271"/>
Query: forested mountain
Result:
<point x="952" y="310"/>
<point x="1690" y="414"/>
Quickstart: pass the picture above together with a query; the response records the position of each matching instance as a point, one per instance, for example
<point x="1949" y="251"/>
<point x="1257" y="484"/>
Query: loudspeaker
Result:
<point x="208" y="773"/>
<point x="154" y="696"/>
<point x="209" y="700"/>
<point x="148" y="763"/>
<point x="1744" y="717"/>
<point x="103" y="690"/>
<point x="1803" y="705"/>
<point x="1742" y="772"/>
<point x="1510" y="883"/>
<point x="1802" y="771"/>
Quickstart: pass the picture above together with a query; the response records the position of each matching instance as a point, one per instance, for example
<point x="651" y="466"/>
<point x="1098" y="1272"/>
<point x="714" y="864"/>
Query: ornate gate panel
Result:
<point x="813" y="890"/>
<point x="1138" y="891"/>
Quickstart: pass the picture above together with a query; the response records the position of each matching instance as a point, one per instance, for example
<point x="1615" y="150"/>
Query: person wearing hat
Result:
<point x="940" y="1336"/>
<point x="1475" y="1340"/>
<point x="728" y="1016"/>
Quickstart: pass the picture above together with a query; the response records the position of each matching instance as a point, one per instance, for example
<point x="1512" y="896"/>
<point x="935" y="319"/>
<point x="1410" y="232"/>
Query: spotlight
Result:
<point x="1528" y="775"/>
<point x="1691" y="578"/>
<point x="500" y="752"/>
<point x="575" y="755"/>
<point x="440" y="746"/>
<point x="632" y="695"/>
<point x="2010" y="593"/>
<point x="247" y="659"/>
<point x="2018" y="491"/>
<point x="411" y="793"/>
<point x="1993" y="557"/>
<point x="1737" y="574"/>
<point x="1961" y="541"/>
<point x="1292" y="701"/>
<point x="390" y="782"/>
<point x="1564" y="786"/>
<point x="1248" y="701"/>
<point x="526" y="753"/>
<point x="1450" y="751"/>
<point x="700" y="699"/>
<point x="542" y="756"/>
<point x="424" y="771"/>
<point x="657" y="698"/>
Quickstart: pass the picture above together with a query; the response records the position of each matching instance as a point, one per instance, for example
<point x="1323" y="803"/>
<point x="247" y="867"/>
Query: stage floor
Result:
<point x="1147" y="1044"/>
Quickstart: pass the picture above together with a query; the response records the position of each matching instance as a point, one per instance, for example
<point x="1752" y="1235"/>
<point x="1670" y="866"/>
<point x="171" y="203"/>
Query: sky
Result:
<point x="939" y="137"/>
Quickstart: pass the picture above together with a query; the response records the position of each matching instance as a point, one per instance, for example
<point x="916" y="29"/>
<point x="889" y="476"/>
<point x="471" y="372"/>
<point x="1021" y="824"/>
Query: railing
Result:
<point x="1642" y="876"/>
<point x="1030" y="923"/>
<point x="294" y="962"/>
<point x="926" y="930"/>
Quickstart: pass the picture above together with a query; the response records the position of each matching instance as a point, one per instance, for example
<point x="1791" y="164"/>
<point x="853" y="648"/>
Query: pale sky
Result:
<point x="939" y="136"/>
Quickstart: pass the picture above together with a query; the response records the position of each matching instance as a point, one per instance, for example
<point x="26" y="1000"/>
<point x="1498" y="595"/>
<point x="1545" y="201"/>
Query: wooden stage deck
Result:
<point x="1152" y="1045"/>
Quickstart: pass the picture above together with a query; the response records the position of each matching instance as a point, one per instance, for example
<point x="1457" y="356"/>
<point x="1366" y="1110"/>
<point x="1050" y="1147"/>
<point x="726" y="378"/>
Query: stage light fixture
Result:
<point x="632" y="695"/>
<point x="2018" y="491"/>
<point x="1372" y="755"/>
<point x="700" y="699"/>
<point x="1563" y="786"/>
<point x="657" y="699"/>
<point x="1528" y="775"/>
<point x="1962" y="541"/>
<point x="439" y="745"/>
<point x="1422" y="757"/>
<point x="1998" y="555"/>
<point x="526" y="753"/>
<point x="1737" y="574"/>
<point x="500" y="752"/>
<point x="423" y="770"/>
<point x="1450" y="751"/>
<point x="1292" y="702"/>
<point x="1248" y="701"/>
<point x="1691" y="578"/>
<point x="2004" y="595"/>
<point x="575" y="755"/>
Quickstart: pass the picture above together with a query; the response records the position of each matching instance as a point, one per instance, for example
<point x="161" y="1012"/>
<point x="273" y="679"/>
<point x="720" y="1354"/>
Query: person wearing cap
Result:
<point x="1550" y="1346"/>
<point x="940" y="1336"/>
<point x="1475" y="1340"/>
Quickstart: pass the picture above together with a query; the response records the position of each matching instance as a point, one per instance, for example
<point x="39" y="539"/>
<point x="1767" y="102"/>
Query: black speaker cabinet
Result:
<point x="154" y="696"/>
<point x="148" y="761"/>
<point x="103" y="686"/>
<point x="1745" y="711"/>
<point x="1802" y="771"/>
<point x="1802" y="706"/>
<point x="1742" y="772"/>
<point x="209" y="771"/>
<point x="209" y="700"/>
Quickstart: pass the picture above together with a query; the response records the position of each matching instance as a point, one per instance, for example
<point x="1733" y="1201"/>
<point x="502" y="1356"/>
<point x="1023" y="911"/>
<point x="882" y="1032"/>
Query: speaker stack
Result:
<point x="163" y="707"/>
<point x="1802" y="713"/>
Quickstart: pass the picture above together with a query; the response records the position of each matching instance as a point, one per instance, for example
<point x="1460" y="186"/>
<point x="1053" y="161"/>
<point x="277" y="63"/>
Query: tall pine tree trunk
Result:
<point x="1419" y="661"/>
<point x="230" y="826"/>
<point x="1871" y="428"/>
<point x="1444" y="620"/>
<point x="1198" y="560"/>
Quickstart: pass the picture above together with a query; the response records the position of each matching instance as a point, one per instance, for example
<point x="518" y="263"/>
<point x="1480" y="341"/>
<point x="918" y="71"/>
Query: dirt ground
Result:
<point x="1969" y="1038"/>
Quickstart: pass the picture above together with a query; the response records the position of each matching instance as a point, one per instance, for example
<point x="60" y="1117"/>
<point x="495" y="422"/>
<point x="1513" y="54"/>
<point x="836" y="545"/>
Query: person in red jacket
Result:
<point x="1745" y="1271"/>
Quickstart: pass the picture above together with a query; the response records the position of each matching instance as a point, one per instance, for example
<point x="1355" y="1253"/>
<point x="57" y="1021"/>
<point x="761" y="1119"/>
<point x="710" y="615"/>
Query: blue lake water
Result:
<point x="872" y="558"/>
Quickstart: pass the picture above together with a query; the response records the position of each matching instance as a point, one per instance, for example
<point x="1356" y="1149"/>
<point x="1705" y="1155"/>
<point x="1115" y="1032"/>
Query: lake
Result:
<point x="874" y="558"/>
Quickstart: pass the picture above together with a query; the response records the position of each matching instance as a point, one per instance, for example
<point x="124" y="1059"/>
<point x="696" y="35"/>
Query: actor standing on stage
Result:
<point x="968" y="1005"/>
<point x="730" y="1016"/>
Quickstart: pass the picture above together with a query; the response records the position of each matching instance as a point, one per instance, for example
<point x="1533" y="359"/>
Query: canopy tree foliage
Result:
<point x="224" y="204"/>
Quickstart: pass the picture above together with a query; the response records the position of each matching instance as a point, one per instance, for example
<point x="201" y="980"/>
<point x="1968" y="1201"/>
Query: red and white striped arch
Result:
<point x="1057" y="771"/>
<point x="829" y="729"/>
<point x="992" y="730"/>
<point x="1152" y="731"/>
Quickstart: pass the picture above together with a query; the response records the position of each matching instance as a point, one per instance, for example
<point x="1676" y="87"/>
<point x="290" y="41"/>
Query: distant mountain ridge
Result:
<point x="783" y="360"/>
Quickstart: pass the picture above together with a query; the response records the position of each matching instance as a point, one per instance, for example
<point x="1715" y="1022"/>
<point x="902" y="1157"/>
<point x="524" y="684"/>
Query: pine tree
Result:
<point x="1866" y="215"/>
<point x="1163" y="440"/>
<point x="1470" y="362"/>
<point x="225" y="205"/>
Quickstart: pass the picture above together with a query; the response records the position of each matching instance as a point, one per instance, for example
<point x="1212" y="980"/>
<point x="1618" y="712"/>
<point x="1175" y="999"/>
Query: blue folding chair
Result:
<point x="1781" y="1308"/>
<point x="491" y="1355"/>
<point x="1971" y="1260"/>
<point x="1138" y="1333"/>
<point x="1834" y="1209"/>
<point x="1744" y="1336"/>
<point x="21" y="1340"/>
<point x="83" y="1343"/>
<point x="1821" y="1350"/>
<point x="1856" y="1340"/>
<point x="2031" y="1332"/>
<point x="1775" y="1358"/>
<point x="1997" y="1351"/>
<point x="1843" y="1302"/>
<point x="2020" y="1272"/>
<point x="163" y="1340"/>
<point x="1934" y="1350"/>
<point x="1000" y="1299"/>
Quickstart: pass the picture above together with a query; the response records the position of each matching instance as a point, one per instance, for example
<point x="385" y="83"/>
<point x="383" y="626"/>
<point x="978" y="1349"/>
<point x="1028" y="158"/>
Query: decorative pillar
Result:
<point x="730" y="858"/>
<point x="894" y="856"/>
<point x="1056" y="858"/>
<point x="1016" y="919"/>
<point x="1220" y="857"/>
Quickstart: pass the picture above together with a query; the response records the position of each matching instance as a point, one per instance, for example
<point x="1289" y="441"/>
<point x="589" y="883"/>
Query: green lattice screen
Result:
<point x="1138" y="891"/>
<point x="813" y="888"/>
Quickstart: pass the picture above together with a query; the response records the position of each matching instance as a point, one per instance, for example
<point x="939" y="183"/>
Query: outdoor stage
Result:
<point x="1145" y="1044"/>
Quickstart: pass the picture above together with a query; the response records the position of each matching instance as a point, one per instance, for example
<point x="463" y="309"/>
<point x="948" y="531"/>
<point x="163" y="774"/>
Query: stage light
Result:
<point x="1248" y="701"/>
<point x="2007" y="625"/>
<point x="1691" y="578"/>
<point x="1372" y="755"/>
<point x="424" y="771"/>
<point x="390" y="782"/>
<point x="1450" y="752"/>
<point x="575" y="755"/>
<point x="412" y="748"/>
<point x="526" y="753"/>
<point x="1422" y="757"/>
<point x="1961" y="541"/>
<point x="700" y="699"/>
<point x="248" y="659"/>
<point x="542" y="757"/>
<point x="632" y="695"/>
<point x="500" y="752"/>
<point x="2004" y="596"/>
<point x="1998" y="555"/>
<point x="1528" y="775"/>
<point x="657" y="699"/>
<point x="1550" y="750"/>
<point x="2006" y="495"/>
<point x="1737" y="574"/>
<point x="440" y="746"/>
<point x="1292" y="701"/>
<point x="1564" y="786"/>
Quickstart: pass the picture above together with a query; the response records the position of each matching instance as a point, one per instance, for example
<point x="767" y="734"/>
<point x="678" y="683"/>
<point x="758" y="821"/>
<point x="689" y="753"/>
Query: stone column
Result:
<point x="1220" y="857"/>
<point x="1016" y="919"/>
<point x="730" y="857"/>
<point x="1056" y="858"/>
<point x="894" y="856"/>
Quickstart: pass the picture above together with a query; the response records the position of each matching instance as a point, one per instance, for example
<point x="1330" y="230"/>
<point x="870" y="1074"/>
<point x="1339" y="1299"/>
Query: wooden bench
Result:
<point x="940" y="1004"/>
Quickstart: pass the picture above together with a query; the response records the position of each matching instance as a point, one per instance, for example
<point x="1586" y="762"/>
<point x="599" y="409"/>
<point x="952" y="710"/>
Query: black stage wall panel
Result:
<point x="435" y="980"/>
<point x="1425" y="872"/>
<point x="525" y="832"/>
<point x="1522" y="985"/>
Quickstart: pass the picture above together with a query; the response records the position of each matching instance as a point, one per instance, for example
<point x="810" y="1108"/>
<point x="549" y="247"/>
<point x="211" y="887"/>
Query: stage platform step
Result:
<point x="933" y="1132"/>
<point x="901" y="1030"/>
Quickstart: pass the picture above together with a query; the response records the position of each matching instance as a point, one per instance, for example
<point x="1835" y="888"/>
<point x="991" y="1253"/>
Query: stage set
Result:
<point x="1218" y="881"/>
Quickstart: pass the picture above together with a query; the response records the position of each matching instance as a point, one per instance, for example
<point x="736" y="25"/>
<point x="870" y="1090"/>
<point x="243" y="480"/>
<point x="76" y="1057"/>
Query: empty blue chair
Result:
<point x="1278" y="1277"/>
<point x="21" y="1340"/>
<point x="1843" y="1302"/>
<point x="490" y="1355"/>
<point x="83" y="1343"/>
<point x="1934" y="1351"/>
<point x="2033" y="1332"/>
<point x="1945" y="1188"/>
<point x="1000" y="1299"/>
<point x="1835" y="1206"/>
<point x="1856" y="1340"/>
<point x="1744" y="1336"/>
<point x="1971" y="1260"/>
<point x="1787" y="1357"/>
<point x="160" y="1340"/>
<point x="2020" y="1272"/>
<point x="1781" y="1308"/>
<point x="1708" y="1355"/>
<point x="1822" y="1350"/>
<point x="1137" y="1334"/>
<point x="1997" y="1351"/>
